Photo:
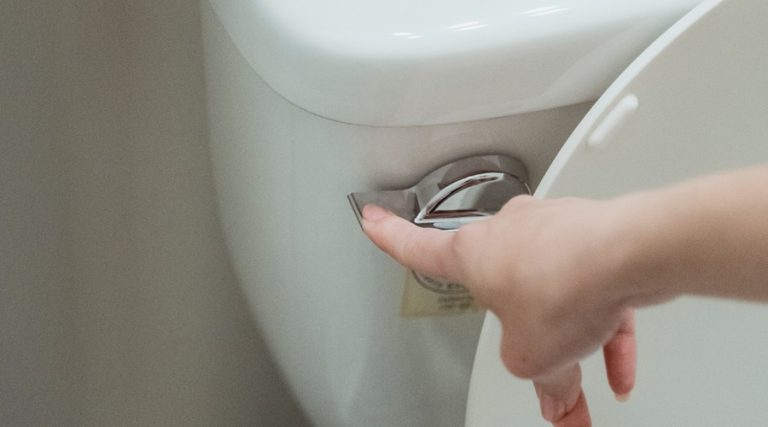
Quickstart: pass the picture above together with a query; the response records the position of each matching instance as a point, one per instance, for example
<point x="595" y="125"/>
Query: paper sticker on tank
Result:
<point x="425" y="296"/>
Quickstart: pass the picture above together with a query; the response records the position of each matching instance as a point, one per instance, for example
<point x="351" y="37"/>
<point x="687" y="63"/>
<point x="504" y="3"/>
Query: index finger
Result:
<point x="428" y="251"/>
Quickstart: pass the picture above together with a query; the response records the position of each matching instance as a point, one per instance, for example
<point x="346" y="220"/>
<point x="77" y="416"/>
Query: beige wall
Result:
<point x="117" y="303"/>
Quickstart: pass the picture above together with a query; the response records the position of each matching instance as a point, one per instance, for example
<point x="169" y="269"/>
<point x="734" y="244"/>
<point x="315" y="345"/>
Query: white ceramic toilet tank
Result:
<point x="309" y="101"/>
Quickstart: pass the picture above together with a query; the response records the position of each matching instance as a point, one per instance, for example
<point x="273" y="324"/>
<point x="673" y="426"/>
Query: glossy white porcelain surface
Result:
<point x="400" y="62"/>
<point x="693" y="103"/>
<point x="326" y="299"/>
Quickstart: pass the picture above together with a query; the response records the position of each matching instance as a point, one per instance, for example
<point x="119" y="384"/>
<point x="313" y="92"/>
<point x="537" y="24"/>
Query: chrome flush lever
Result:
<point x="460" y="192"/>
<point x="464" y="191"/>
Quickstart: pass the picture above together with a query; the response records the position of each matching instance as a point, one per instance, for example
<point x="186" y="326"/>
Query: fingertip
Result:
<point x="620" y="354"/>
<point x="373" y="212"/>
<point x="552" y="409"/>
<point x="578" y="416"/>
<point x="559" y="393"/>
<point x="373" y="222"/>
<point x="421" y="249"/>
<point x="623" y="398"/>
<point x="621" y="367"/>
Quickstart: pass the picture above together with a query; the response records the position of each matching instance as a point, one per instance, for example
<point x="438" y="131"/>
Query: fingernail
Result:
<point x="551" y="409"/>
<point x="373" y="212"/>
<point x="623" y="397"/>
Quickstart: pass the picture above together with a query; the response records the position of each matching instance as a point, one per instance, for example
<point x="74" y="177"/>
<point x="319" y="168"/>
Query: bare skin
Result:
<point x="564" y="276"/>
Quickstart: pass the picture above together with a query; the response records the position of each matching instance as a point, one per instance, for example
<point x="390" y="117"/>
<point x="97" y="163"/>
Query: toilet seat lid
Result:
<point x="402" y="62"/>
<point x="694" y="102"/>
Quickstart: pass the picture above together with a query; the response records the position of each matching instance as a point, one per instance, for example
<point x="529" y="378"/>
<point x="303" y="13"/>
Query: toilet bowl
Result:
<point x="310" y="101"/>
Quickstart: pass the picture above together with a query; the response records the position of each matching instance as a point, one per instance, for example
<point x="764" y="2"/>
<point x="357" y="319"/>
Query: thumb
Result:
<point x="425" y="250"/>
<point x="561" y="398"/>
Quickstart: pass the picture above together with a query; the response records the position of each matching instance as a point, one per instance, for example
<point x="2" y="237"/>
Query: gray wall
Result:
<point x="117" y="302"/>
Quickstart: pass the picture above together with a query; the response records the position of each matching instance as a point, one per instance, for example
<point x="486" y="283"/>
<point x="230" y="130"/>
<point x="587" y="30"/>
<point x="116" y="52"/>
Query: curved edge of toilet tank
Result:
<point x="429" y="62"/>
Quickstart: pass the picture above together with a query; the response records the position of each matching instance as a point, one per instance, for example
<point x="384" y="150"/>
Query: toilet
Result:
<point x="311" y="101"/>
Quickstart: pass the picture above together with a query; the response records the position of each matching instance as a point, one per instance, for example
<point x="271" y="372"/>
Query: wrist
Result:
<point x="638" y="243"/>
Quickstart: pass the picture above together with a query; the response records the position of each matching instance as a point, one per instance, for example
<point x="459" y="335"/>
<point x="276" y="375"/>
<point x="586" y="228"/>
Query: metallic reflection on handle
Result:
<point x="457" y="193"/>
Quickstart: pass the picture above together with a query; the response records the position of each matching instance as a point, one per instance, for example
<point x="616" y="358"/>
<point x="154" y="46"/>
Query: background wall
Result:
<point x="117" y="302"/>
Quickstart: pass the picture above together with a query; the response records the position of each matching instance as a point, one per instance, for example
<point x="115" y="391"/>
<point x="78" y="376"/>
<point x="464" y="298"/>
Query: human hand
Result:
<point x="546" y="269"/>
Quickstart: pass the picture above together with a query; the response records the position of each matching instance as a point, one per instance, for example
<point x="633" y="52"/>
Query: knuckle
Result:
<point x="518" y="202"/>
<point x="519" y="355"/>
<point x="519" y="365"/>
<point x="411" y="251"/>
<point x="467" y="237"/>
<point x="405" y="248"/>
<point x="459" y="242"/>
<point x="463" y="245"/>
<point x="478" y="270"/>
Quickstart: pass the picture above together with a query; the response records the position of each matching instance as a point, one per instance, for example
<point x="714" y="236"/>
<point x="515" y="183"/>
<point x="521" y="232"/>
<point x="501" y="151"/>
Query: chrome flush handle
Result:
<point x="464" y="191"/>
<point x="460" y="192"/>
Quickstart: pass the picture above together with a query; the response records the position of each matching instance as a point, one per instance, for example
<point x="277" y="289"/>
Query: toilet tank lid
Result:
<point x="405" y="62"/>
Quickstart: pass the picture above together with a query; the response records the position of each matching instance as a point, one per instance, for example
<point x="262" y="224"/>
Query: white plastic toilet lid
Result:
<point x="695" y="101"/>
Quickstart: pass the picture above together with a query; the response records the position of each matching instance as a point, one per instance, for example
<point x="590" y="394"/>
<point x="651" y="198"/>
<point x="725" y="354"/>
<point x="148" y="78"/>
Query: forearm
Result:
<point x="708" y="236"/>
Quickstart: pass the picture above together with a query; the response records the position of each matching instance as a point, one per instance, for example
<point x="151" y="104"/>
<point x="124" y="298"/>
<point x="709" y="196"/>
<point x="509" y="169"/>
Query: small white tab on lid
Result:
<point x="613" y="121"/>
